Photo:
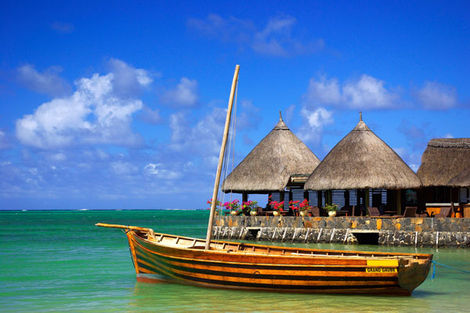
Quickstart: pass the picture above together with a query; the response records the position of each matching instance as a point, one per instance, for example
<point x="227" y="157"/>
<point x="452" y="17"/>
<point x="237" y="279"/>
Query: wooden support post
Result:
<point x="319" y="199"/>
<point x="346" y="198"/>
<point x="367" y="200"/>
<point x="244" y="197"/>
<point x="306" y="195"/>
<point x="281" y="198"/>
<point x="452" y="202"/>
<point x="399" y="202"/>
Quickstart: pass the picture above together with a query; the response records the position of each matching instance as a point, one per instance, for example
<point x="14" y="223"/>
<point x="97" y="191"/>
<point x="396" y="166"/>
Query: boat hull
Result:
<point x="229" y="269"/>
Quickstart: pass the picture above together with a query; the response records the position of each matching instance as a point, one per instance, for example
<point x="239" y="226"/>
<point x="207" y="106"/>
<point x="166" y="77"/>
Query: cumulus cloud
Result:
<point x="276" y="38"/>
<point x="47" y="82"/>
<point x="127" y="80"/>
<point x="366" y="92"/>
<point x="315" y="119"/>
<point x="436" y="96"/>
<point x="323" y="91"/>
<point x="185" y="94"/>
<point x="94" y="114"/>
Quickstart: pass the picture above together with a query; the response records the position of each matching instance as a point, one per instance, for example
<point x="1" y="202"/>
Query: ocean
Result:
<point x="58" y="261"/>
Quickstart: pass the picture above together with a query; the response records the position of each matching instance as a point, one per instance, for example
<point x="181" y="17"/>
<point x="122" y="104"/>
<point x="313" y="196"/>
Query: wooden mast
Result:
<point x="221" y="158"/>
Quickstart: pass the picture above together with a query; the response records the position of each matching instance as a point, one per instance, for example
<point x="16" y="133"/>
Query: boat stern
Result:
<point x="412" y="273"/>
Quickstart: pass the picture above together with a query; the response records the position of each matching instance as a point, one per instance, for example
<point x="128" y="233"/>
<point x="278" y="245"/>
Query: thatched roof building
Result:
<point x="362" y="160"/>
<point x="446" y="162"/>
<point x="275" y="162"/>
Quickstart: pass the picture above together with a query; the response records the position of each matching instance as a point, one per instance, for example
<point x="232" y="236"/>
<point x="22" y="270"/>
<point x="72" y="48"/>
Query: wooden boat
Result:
<point x="220" y="264"/>
<point x="169" y="258"/>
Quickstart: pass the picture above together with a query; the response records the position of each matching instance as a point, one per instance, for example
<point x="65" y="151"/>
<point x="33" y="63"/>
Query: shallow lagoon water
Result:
<point x="59" y="261"/>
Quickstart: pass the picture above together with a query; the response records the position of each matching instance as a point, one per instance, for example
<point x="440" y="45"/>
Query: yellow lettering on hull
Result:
<point x="381" y="270"/>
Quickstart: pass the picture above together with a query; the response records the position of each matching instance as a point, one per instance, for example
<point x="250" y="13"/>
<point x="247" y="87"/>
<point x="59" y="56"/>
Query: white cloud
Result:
<point x="127" y="80"/>
<point x="314" y="122"/>
<point x="185" y="94"/>
<point x="436" y="96"/>
<point x="93" y="114"/>
<point x="276" y="38"/>
<point x="48" y="82"/>
<point x="158" y="170"/>
<point x="324" y="91"/>
<point x="366" y="92"/>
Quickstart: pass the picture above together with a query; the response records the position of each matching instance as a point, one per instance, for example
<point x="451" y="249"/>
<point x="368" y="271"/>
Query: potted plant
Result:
<point x="278" y="207"/>
<point x="331" y="208"/>
<point x="304" y="207"/>
<point x="249" y="207"/>
<point x="233" y="207"/>
<point x="294" y="206"/>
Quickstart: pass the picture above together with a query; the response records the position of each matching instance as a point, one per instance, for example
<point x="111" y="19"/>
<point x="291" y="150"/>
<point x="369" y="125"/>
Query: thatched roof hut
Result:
<point x="277" y="160"/>
<point x="446" y="162"/>
<point x="362" y="160"/>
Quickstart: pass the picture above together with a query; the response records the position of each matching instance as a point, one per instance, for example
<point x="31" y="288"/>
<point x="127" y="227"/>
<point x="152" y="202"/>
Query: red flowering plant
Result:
<point x="233" y="207"/>
<point x="294" y="205"/>
<point x="248" y="206"/>
<point x="277" y="206"/>
<point x="217" y="204"/>
<point x="304" y="206"/>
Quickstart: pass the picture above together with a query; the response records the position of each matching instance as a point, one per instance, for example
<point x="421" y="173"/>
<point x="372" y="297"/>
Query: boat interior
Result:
<point x="182" y="242"/>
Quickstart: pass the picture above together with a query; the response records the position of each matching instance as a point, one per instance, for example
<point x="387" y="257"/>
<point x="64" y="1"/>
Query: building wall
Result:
<point x="390" y="231"/>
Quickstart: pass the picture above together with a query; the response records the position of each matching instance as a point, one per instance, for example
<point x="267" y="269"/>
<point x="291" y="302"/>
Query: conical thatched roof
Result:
<point x="461" y="180"/>
<point x="443" y="160"/>
<point x="362" y="160"/>
<point x="270" y="165"/>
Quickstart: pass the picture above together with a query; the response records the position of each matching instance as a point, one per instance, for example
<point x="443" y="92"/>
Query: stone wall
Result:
<point x="347" y="230"/>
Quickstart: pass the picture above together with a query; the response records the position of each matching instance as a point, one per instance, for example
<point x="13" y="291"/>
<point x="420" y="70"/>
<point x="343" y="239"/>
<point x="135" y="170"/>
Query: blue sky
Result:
<point x="118" y="105"/>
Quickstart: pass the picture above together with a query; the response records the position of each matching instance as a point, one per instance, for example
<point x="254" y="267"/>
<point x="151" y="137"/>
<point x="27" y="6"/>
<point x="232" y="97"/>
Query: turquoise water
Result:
<point x="56" y="261"/>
